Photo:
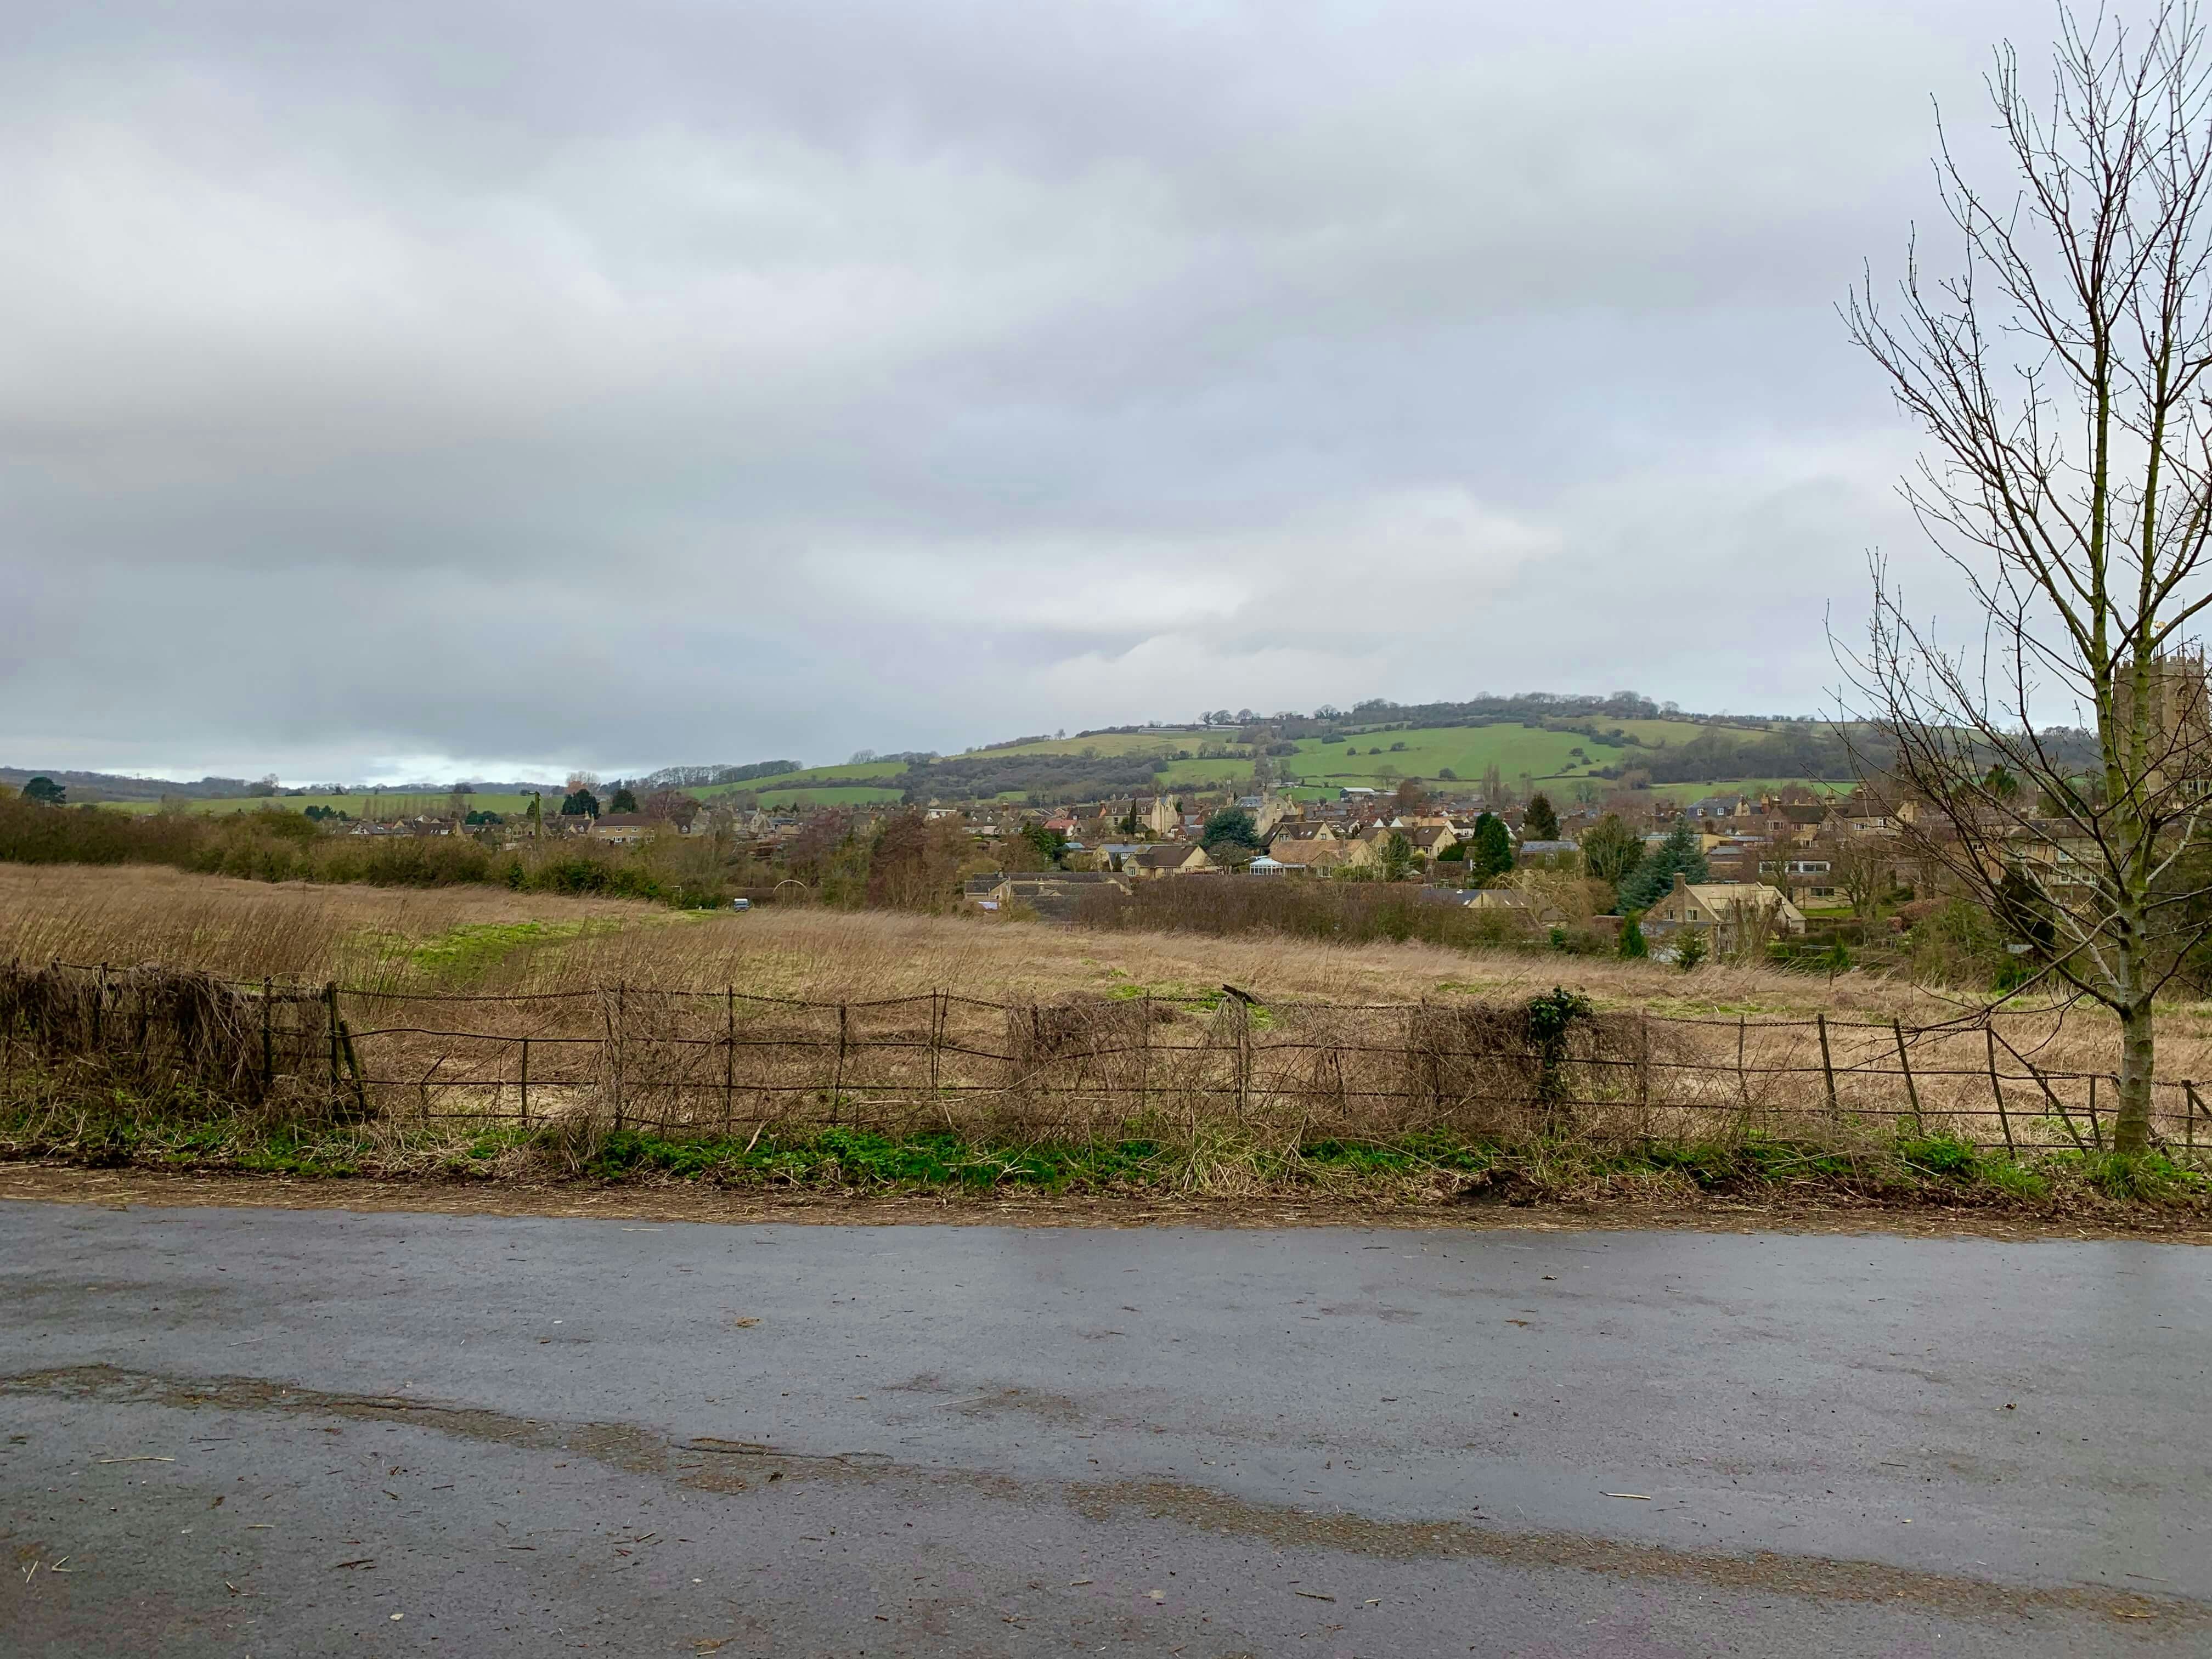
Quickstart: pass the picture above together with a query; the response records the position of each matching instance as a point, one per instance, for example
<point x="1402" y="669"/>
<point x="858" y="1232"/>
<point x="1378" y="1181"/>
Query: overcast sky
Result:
<point x="420" y="389"/>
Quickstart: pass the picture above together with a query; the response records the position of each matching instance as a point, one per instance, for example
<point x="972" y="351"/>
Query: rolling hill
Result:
<point x="1570" y="745"/>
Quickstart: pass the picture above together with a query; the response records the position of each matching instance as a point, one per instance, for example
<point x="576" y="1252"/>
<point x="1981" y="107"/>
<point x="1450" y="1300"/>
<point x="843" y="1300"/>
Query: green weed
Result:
<point x="473" y="948"/>
<point x="2145" y="1177"/>
<point x="99" y="1123"/>
<point x="2014" y="1180"/>
<point x="1941" y="1155"/>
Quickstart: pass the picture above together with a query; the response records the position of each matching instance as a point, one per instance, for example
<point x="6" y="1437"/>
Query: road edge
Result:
<point x="724" y="1206"/>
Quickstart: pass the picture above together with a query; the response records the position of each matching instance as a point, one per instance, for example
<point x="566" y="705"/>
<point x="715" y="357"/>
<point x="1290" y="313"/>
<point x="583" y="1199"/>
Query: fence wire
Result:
<point x="732" y="1063"/>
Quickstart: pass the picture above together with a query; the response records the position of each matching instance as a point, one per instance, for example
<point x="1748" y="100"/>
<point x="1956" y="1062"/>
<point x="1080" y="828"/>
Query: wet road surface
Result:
<point x="282" y="1432"/>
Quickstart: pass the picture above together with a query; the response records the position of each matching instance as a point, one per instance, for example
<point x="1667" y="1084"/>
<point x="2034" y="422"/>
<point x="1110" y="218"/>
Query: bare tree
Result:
<point x="1864" y="867"/>
<point x="2059" y="377"/>
<point x="1749" y="929"/>
<point x="672" y="806"/>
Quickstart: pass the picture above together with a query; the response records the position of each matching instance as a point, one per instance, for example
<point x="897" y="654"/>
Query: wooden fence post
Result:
<point x="525" y="1082"/>
<point x="1996" y="1089"/>
<point x="2051" y="1094"/>
<point x="331" y="1009"/>
<point x="1039" y="1061"/>
<point x="622" y="1022"/>
<point x="1144" y="1059"/>
<point x="268" y="1039"/>
<point x="2096" y="1131"/>
<point x="1905" y="1064"/>
<point x="837" y="1077"/>
<point x="937" y="1012"/>
<point x="1430" y="1069"/>
<point x="1643" y="1074"/>
<point x="729" y="1059"/>
<point x="1743" y="1077"/>
<point x="2188" y="1116"/>
<point x="353" y="1071"/>
<point x="1828" y="1072"/>
<point x="1244" y="1059"/>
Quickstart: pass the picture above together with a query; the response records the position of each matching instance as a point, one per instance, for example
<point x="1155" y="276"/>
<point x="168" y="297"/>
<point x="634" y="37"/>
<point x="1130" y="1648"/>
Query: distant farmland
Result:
<point x="1546" y="757"/>
<point x="1691" y="758"/>
<point x="1514" y="748"/>
<point x="827" y="797"/>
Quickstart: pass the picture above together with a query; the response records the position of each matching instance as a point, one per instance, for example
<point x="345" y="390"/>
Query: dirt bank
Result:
<point x="679" y="1201"/>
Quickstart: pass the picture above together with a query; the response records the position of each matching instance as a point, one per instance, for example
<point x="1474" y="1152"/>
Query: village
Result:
<point x="1784" y="871"/>
<point x="1763" y="868"/>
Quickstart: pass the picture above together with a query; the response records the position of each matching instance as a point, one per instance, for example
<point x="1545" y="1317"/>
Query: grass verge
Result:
<point x="116" y="1129"/>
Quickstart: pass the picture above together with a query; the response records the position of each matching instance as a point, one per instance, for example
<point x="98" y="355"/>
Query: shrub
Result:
<point x="274" y="845"/>
<point x="1352" y="912"/>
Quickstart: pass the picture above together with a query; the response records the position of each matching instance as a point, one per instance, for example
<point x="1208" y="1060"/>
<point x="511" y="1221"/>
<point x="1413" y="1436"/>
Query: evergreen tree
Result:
<point x="1540" y="821"/>
<point x="581" y="804"/>
<point x="1051" y="844"/>
<point x="46" y="792"/>
<point x="1493" y="852"/>
<point x="1654" y="878"/>
<point x="1631" y="938"/>
<point x="1396" y="856"/>
<point x="1230" y="826"/>
<point x="623" y="801"/>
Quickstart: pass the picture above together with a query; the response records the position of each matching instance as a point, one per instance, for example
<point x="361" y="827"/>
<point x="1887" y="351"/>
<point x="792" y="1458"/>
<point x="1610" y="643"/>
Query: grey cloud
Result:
<point x="468" y="385"/>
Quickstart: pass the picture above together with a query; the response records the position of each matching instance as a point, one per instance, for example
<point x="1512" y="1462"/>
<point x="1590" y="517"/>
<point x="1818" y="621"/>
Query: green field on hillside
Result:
<point x="1514" y="748"/>
<point x="1168" y="741"/>
<point x="1569" y="791"/>
<point x="1556" y="760"/>
<point x="1677" y="732"/>
<point x="1165" y="740"/>
<point x="1466" y="751"/>
<point x="813" y="777"/>
<point x="1202" y="774"/>
<point x="1690" y="791"/>
<point x="777" y="799"/>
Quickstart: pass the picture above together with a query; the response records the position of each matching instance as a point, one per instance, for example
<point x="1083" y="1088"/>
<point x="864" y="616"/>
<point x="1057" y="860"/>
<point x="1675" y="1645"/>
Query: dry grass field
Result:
<point x="1018" y="1028"/>
<point x="484" y="938"/>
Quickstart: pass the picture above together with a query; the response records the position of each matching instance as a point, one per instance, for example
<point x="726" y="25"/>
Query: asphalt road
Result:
<point x="263" y="1432"/>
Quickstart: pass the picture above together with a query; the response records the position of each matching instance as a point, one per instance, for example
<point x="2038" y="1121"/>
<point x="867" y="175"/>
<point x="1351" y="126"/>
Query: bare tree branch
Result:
<point x="2060" y="377"/>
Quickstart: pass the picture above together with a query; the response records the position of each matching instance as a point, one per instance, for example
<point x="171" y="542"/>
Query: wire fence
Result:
<point x="727" y="1062"/>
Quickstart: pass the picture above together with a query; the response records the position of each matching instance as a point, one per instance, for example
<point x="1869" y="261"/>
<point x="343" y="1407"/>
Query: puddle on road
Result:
<point x="707" y="1464"/>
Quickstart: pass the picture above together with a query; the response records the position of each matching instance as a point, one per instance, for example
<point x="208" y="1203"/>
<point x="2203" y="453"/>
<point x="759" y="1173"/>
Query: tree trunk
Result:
<point x="2131" y="1123"/>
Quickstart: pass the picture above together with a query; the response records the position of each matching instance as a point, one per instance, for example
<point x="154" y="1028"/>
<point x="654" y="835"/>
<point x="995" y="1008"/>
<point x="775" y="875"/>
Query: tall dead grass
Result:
<point x="1228" y="1071"/>
<point x="956" y="1016"/>
<point x="389" y="938"/>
